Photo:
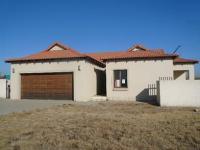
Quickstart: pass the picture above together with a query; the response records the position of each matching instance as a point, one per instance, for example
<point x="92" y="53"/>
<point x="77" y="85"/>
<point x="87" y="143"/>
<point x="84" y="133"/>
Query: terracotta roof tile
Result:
<point x="99" y="58"/>
<point x="67" y="53"/>
<point x="183" y="60"/>
<point x="131" y="54"/>
<point x="47" y="54"/>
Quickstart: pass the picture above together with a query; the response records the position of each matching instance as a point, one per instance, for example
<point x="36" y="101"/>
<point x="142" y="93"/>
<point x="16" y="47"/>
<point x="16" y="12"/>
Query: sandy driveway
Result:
<point x="9" y="106"/>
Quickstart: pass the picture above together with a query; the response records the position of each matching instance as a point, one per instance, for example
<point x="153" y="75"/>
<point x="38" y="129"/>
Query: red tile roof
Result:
<point x="183" y="60"/>
<point x="48" y="54"/>
<point x="66" y="53"/>
<point x="131" y="55"/>
<point x="98" y="58"/>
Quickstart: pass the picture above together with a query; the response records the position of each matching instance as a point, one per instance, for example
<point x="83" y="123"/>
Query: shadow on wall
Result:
<point x="144" y="96"/>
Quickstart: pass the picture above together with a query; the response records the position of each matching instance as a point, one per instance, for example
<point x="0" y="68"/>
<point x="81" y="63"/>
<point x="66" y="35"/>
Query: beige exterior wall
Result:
<point x="185" y="67"/>
<point x="171" y="95"/>
<point x="84" y="80"/>
<point x="3" y="88"/>
<point x="140" y="73"/>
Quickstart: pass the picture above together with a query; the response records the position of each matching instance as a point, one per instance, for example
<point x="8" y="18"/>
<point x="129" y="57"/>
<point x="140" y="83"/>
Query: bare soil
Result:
<point x="103" y="126"/>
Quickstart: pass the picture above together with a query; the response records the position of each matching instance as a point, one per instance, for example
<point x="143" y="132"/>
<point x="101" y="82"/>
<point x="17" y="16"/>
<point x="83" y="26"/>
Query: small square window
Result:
<point x="120" y="79"/>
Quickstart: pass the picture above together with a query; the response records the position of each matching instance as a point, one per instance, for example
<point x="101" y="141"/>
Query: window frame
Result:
<point x="120" y="78"/>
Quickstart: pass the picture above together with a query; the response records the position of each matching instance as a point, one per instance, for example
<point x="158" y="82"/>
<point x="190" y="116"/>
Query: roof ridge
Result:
<point x="106" y="52"/>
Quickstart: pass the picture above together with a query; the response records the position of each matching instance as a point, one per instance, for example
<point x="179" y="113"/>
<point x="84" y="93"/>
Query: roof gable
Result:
<point x="56" y="48"/>
<point x="54" y="52"/>
<point x="137" y="48"/>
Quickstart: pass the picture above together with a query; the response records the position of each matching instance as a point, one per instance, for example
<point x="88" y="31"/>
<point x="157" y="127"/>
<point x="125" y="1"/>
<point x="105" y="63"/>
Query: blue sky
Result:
<point x="28" y="26"/>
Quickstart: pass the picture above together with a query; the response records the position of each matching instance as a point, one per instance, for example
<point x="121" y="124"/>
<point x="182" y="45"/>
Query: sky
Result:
<point x="29" y="26"/>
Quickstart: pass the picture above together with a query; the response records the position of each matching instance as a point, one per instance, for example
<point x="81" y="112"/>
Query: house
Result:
<point x="60" y="72"/>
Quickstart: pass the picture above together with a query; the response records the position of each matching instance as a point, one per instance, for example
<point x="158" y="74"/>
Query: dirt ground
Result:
<point x="103" y="126"/>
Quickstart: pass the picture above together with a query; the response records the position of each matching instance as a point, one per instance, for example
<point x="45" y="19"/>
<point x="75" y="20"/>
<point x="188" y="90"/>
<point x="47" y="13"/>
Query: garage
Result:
<point x="57" y="86"/>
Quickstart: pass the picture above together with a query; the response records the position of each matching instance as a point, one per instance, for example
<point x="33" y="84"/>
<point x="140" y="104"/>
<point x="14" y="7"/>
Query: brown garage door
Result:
<point x="47" y="86"/>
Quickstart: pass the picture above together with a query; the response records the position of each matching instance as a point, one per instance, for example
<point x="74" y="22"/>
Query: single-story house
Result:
<point x="60" y="72"/>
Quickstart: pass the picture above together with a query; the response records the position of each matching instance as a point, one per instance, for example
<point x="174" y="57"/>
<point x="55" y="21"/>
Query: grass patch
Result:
<point x="101" y="125"/>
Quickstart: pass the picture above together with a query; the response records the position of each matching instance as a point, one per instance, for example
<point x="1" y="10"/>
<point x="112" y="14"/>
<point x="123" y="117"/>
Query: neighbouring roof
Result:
<point x="59" y="51"/>
<point x="179" y="60"/>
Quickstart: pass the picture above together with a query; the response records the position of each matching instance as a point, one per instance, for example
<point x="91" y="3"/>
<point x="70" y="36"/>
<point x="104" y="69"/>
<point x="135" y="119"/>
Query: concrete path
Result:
<point x="9" y="106"/>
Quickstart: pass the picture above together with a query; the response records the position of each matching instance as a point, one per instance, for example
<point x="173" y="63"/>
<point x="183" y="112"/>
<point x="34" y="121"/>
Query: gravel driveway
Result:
<point x="9" y="106"/>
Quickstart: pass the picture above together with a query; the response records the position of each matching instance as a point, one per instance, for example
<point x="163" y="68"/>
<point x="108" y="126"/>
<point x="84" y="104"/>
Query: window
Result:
<point x="120" y="79"/>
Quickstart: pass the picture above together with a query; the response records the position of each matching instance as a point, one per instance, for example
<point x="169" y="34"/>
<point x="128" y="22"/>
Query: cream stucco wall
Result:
<point x="179" y="93"/>
<point x="3" y="88"/>
<point x="84" y="80"/>
<point x="185" y="67"/>
<point x="140" y="74"/>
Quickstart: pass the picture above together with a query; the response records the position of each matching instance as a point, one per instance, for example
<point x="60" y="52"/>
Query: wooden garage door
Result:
<point x="47" y="86"/>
